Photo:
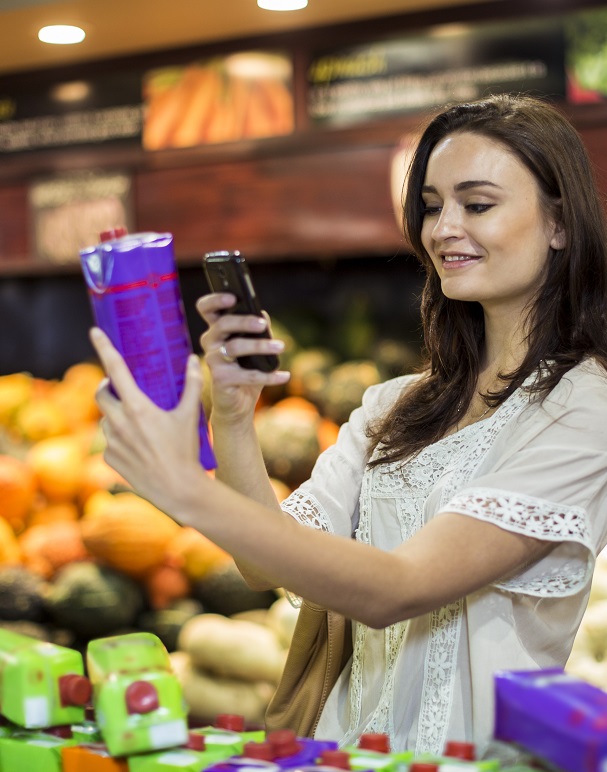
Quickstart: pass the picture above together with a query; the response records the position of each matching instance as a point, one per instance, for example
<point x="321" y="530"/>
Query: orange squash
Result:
<point x="17" y="490"/>
<point x="195" y="554"/>
<point x="10" y="554"/>
<point x="57" y="463"/>
<point x="164" y="585"/>
<point x="15" y="390"/>
<point x="47" y="548"/>
<point x="128" y="533"/>
<point x="45" y="513"/>
<point x="41" y="418"/>
<point x="97" y="475"/>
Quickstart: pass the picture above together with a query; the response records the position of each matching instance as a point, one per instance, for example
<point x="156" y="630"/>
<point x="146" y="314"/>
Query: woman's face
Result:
<point x="484" y="228"/>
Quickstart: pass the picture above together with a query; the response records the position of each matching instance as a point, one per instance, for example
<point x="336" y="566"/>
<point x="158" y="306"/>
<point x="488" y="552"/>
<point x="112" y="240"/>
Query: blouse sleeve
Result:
<point x="329" y="499"/>
<point x="550" y="483"/>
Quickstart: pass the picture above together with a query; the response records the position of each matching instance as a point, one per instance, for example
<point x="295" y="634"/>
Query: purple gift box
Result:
<point x="553" y="715"/>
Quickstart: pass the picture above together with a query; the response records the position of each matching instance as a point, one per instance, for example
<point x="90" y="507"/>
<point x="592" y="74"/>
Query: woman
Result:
<point x="457" y="518"/>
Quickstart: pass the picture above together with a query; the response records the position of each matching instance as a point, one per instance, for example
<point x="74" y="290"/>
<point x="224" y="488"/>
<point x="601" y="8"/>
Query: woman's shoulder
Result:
<point x="383" y="395"/>
<point x="588" y="379"/>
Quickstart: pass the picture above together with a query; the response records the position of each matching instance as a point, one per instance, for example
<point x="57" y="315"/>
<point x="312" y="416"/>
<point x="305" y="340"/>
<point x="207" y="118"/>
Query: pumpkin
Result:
<point x="75" y="393"/>
<point x="288" y="437"/>
<point x="39" y="419"/>
<point x="195" y="554"/>
<point x="309" y="371"/>
<point x="44" y="513"/>
<point x="164" y="585"/>
<point x="47" y="548"/>
<point x="98" y="475"/>
<point x="345" y="387"/>
<point x="128" y="533"/>
<point x="15" y="390"/>
<point x="57" y="463"/>
<point x="17" y="490"/>
<point x="10" y="554"/>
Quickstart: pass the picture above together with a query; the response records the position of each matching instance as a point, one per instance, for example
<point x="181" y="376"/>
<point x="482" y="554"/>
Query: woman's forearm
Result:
<point x="240" y="466"/>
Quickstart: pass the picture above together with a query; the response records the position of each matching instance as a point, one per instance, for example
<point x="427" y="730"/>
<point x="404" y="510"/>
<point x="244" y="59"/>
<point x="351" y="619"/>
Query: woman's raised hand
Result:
<point x="235" y="390"/>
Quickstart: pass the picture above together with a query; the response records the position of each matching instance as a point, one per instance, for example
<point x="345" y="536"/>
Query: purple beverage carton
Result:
<point x="136" y="300"/>
<point x="555" y="716"/>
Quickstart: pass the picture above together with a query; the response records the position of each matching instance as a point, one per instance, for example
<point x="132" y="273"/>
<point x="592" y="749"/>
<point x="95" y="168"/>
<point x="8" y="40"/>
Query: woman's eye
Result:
<point x="431" y="209"/>
<point x="478" y="208"/>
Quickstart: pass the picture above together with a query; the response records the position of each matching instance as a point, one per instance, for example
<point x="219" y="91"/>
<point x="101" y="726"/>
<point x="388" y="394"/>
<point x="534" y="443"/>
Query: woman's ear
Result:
<point x="559" y="238"/>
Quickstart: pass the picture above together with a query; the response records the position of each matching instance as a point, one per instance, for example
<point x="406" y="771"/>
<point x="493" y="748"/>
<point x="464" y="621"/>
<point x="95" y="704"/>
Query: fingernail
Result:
<point x="276" y="345"/>
<point x="260" y="322"/>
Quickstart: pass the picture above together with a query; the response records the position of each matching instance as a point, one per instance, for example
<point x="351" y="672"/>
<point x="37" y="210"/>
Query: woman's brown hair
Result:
<point x="566" y="320"/>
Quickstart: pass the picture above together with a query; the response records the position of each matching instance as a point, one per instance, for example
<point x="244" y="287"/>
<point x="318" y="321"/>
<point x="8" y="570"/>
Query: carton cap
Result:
<point x="74" y="689"/>
<point x="283" y="742"/>
<point x="460" y="750"/>
<point x="141" y="697"/>
<point x="231" y="721"/>
<point x="337" y="759"/>
<point x="261" y="751"/>
<point x="113" y="233"/>
<point x="374" y="742"/>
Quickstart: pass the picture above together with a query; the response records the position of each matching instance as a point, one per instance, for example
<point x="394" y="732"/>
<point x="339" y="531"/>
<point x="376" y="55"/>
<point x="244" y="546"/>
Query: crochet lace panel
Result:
<point x="539" y="519"/>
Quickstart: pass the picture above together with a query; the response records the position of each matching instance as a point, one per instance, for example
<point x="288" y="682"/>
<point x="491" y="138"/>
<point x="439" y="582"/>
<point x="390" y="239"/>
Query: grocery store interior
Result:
<point x="279" y="134"/>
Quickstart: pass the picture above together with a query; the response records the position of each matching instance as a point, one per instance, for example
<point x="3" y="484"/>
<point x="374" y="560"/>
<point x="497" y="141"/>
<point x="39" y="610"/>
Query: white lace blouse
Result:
<point x="535" y="469"/>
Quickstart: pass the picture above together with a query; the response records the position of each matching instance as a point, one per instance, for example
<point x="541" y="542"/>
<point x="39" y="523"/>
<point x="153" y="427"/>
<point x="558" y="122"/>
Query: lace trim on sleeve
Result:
<point x="539" y="519"/>
<point x="306" y="509"/>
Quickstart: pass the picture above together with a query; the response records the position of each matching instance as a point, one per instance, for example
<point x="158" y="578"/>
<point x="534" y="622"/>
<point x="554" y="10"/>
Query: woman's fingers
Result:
<point x="212" y="306"/>
<point x="114" y="365"/>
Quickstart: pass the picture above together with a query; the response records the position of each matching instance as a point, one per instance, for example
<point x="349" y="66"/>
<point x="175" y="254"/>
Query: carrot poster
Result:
<point x="246" y="95"/>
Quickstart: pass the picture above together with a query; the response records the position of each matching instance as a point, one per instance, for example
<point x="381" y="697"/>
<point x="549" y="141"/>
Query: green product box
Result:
<point x="361" y="758"/>
<point x="32" y="752"/>
<point x="139" y="704"/>
<point x="173" y="759"/>
<point x="43" y="684"/>
<point x="228" y="741"/>
<point x="86" y="732"/>
<point x="448" y="764"/>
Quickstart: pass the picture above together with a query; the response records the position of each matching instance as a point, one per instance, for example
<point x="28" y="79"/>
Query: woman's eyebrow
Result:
<point x="466" y="185"/>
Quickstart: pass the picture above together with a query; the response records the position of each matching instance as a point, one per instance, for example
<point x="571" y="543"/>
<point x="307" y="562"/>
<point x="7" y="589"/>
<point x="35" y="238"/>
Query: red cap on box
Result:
<point x="74" y="689"/>
<point x="460" y="750"/>
<point x="374" y="742"/>
<point x="141" y="697"/>
<point x="230" y="721"/>
<point x="283" y="742"/>
<point x="261" y="751"/>
<point x="196" y="742"/>
<point x="113" y="233"/>
<point x="338" y="759"/>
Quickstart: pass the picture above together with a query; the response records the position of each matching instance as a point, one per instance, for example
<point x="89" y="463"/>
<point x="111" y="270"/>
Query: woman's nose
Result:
<point x="448" y="224"/>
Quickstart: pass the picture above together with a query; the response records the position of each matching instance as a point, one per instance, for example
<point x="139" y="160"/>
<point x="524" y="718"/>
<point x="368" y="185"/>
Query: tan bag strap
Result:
<point x="320" y="648"/>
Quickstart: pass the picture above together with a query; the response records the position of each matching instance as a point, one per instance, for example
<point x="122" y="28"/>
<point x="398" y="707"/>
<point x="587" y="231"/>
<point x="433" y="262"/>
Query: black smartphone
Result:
<point x="228" y="272"/>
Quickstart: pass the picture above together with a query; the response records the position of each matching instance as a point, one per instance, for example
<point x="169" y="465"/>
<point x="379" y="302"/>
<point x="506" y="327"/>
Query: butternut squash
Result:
<point x="128" y="533"/>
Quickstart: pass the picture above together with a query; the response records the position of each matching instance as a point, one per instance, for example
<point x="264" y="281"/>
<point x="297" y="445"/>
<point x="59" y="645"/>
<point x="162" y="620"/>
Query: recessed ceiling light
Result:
<point x="61" y="34"/>
<point x="282" y="5"/>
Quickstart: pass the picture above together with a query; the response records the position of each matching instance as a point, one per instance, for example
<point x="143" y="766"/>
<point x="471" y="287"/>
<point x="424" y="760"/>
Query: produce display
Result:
<point x="83" y="557"/>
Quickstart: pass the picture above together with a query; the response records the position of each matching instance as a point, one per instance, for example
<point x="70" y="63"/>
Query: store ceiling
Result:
<point x="123" y="27"/>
